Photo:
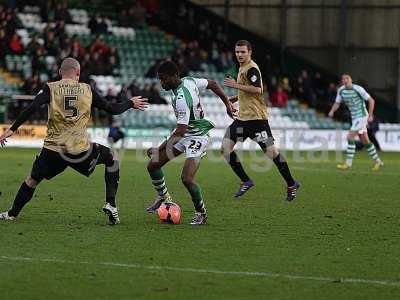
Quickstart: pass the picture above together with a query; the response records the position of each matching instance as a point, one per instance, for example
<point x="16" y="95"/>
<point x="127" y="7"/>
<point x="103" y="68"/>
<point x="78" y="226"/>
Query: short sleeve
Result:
<point x="363" y="93"/>
<point x="182" y="110"/>
<point x="201" y="83"/>
<point x="254" y="77"/>
<point x="339" y="98"/>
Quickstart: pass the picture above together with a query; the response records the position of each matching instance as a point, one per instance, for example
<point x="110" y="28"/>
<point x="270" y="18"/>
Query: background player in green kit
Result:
<point x="190" y="136"/>
<point x="355" y="96"/>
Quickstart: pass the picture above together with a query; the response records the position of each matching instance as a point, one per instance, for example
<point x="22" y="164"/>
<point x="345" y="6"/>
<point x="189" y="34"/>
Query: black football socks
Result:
<point x="23" y="196"/>
<point x="236" y="166"/>
<point x="111" y="178"/>
<point x="283" y="168"/>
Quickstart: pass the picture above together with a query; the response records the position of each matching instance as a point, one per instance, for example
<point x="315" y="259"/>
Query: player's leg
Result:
<point x="350" y="151"/>
<point x="24" y="195"/>
<point x="188" y="179"/>
<point x="262" y="135"/>
<point x="371" y="151"/>
<point x="111" y="179"/>
<point x="85" y="163"/>
<point x="158" y="159"/>
<point x="46" y="166"/>
<point x="281" y="163"/>
<point x="233" y="133"/>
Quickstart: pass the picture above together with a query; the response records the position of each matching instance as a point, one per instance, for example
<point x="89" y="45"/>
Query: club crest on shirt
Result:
<point x="253" y="78"/>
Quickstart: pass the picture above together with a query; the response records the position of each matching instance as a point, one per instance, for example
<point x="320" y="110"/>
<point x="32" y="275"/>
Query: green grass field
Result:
<point x="339" y="240"/>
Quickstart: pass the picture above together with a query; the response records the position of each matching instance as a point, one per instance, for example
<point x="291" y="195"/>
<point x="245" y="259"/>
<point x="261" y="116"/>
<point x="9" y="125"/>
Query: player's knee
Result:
<point x="226" y="147"/>
<point x="32" y="183"/>
<point x="350" y="137"/>
<point x="187" y="180"/>
<point x="271" y="152"/>
<point x="109" y="158"/>
<point x="226" y="151"/>
<point x="113" y="167"/>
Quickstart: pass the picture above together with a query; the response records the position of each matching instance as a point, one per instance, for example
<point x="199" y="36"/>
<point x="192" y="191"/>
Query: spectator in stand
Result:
<point x="152" y="8"/>
<point x="279" y="98"/>
<point x="15" y="44"/>
<point x="61" y="13"/>
<point x="33" y="45"/>
<point x="299" y="89"/>
<point x="97" y="64"/>
<point x="51" y="45"/>
<point x="86" y="68"/>
<point x="3" y="47"/>
<point x="331" y="94"/>
<point x="32" y="85"/>
<point x="319" y="85"/>
<point x="59" y="30"/>
<point x="193" y="62"/>
<point x="307" y="87"/>
<point x="11" y="20"/>
<point x="38" y="61"/>
<point x="102" y="26"/>
<point x="123" y="19"/>
<point x="98" y="46"/>
<point x="77" y="51"/>
<point x="65" y="48"/>
<point x="114" y="53"/>
<point x="286" y="85"/>
<point x="93" y="23"/>
<point x="226" y="61"/>
<point x="137" y="15"/>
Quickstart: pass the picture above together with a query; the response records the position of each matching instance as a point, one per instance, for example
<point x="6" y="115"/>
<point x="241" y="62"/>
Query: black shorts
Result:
<point x="49" y="164"/>
<point x="257" y="130"/>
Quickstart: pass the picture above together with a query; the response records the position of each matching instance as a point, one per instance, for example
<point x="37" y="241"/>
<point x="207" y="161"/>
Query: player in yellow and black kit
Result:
<point x="67" y="143"/>
<point x="252" y="122"/>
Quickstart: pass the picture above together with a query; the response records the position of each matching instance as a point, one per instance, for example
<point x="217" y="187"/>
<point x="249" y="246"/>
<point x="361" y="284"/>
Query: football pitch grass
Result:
<point x="340" y="239"/>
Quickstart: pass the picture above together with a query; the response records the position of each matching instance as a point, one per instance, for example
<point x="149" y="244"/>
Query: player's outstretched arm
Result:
<point x="43" y="97"/>
<point x="334" y="108"/>
<point x="217" y="90"/>
<point x="119" y="108"/>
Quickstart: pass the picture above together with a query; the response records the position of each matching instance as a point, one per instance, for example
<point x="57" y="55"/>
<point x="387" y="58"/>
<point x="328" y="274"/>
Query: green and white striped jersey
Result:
<point x="187" y="106"/>
<point x="354" y="98"/>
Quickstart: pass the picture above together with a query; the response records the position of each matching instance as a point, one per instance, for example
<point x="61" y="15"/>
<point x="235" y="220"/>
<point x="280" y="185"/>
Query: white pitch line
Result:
<point x="209" y="271"/>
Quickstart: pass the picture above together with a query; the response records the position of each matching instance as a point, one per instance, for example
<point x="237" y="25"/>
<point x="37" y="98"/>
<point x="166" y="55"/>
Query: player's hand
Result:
<point x="330" y="115"/>
<point x="370" y="118"/>
<point x="231" y="110"/>
<point x="230" y="82"/>
<point x="4" y="136"/>
<point x="140" y="103"/>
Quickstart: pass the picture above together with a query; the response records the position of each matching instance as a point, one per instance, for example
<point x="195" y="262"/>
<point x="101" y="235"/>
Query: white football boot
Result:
<point x="4" y="216"/>
<point x="112" y="213"/>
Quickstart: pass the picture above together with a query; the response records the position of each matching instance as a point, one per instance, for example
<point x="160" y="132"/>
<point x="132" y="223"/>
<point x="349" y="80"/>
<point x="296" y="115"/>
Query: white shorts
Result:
<point x="359" y="125"/>
<point x="193" y="146"/>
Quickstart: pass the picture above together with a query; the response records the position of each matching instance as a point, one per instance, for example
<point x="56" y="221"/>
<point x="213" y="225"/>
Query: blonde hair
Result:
<point x="69" y="64"/>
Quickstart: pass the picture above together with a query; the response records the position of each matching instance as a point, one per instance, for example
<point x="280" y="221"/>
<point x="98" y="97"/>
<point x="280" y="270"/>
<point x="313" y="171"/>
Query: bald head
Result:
<point x="70" y="68"/>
